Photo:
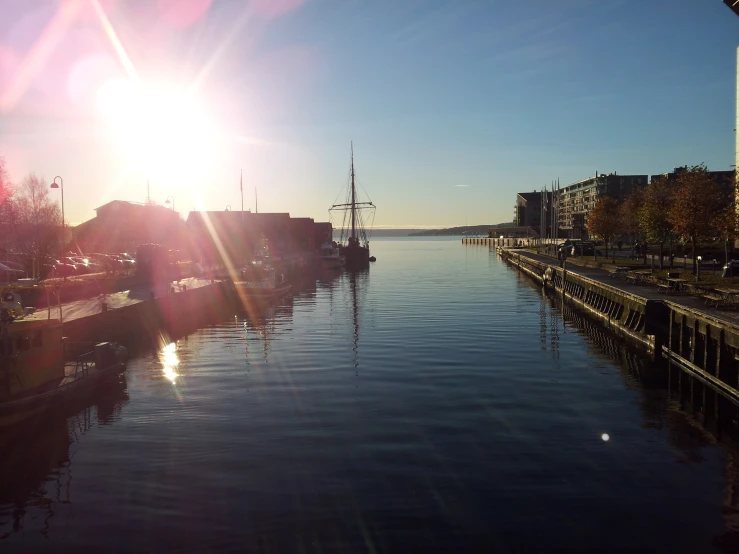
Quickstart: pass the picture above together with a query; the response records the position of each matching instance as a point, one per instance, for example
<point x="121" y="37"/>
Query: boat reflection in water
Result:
<point x="37" y="471"/>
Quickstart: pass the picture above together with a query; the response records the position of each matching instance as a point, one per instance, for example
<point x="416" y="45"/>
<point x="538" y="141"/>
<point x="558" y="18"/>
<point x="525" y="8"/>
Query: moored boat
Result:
<point x="355" y="245"/>
<point x="261" y="281"/>
<point x="34" y="375"/>
<point x="330" y="255"/>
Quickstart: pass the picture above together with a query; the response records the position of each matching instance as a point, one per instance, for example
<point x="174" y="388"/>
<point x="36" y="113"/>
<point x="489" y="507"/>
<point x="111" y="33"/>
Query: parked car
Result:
<point x="12" y="265"/>
<point x="581" y="248"/>
<point x="128" y="261"/>
<point x="91" y="266"/>
<point x="8" y="274"/>
<point x="63" y="270"/>
<point x="731" y="269"/>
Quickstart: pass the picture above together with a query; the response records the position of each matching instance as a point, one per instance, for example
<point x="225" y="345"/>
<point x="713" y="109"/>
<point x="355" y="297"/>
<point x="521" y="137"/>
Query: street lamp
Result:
<point x="60" y="186"/>
<point x="168" y="202"/>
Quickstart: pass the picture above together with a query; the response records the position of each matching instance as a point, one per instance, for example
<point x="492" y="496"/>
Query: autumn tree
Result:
<point x="603" y="220"/>
<point x="726" y="220"/>
<point x="696" y="201"/>
<point x="654" y="214"/>
<point x="629" y="213"/>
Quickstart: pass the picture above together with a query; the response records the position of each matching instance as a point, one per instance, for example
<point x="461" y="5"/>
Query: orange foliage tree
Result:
<point x="654" y="214"/>
<point x="604" y="221"/>
<point x="696" y="201"/>
<point x="629" y="213"/>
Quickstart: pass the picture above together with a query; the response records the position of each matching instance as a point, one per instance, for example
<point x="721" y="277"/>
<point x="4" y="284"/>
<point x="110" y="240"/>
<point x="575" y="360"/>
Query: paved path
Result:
<point x="648" y="292"/>
<point x="90" y="306"/>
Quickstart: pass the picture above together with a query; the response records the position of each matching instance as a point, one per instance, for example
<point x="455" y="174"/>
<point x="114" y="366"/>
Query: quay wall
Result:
<point x="157" y="318"/>
<point x="697" y="342"/>
<point x="630" y="316"/>
<point x="706" y="347"/>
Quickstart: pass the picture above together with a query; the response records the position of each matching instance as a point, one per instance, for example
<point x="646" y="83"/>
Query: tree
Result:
<point x="696" y="201"/>
<point x="654" y="214"/>
<point x="6" y="187"/>
<point x="7" y="208"/>
<point x="726" y="224"/>
<point x="38" y="218"/>
<point x="603" y="220"/>
<point x="629" y="213"/>
<point x="726" y="221"/>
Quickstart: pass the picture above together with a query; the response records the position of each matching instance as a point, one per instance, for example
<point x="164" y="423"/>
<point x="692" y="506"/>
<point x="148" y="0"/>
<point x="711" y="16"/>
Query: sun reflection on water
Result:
<point x="170" y="361"/>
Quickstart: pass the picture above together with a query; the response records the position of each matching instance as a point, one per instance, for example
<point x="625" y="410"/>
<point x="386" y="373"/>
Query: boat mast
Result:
<point x="354" y="197"/>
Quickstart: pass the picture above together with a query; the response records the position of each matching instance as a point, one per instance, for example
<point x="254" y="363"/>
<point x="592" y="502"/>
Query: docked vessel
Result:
<point x="330" y="256"/>
<point x="34" y="375"/>
<point x="260" y="281"/>
<point x="354" y="243"/>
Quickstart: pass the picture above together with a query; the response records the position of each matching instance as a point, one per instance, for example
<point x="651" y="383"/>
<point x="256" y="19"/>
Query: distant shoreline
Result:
<point x="469" y="230"/>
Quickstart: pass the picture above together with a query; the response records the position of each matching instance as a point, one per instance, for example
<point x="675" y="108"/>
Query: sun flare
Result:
<point x="163" y="132"/>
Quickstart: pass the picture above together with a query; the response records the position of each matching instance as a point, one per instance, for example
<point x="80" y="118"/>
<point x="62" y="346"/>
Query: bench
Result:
<point x="713" y="299"/>
<point x="661" y="287"/>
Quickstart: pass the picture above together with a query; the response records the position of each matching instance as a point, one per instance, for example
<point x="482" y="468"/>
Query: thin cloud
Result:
<point x="461" y="185"/>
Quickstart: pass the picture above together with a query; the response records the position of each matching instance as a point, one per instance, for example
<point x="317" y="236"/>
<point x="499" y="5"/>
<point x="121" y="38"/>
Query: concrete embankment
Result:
<point x="153" y="311"/>
<point x="701" y="341"/>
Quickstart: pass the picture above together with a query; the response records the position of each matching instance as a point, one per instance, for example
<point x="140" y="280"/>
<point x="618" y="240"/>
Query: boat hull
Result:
<point x="262" y="292"/>
<point x="333" y="263"/>
<point x="15" y="411"/>
<point x="357" y="257"/>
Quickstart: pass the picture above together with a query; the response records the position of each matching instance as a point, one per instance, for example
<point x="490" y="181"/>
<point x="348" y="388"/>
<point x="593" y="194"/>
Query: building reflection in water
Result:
<point x="37" y="469"/>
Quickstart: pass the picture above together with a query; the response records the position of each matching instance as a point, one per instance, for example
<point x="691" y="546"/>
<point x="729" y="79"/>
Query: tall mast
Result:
<point x="354" y="197"/>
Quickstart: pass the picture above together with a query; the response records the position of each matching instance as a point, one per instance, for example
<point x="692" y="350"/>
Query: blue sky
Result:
<point x="453" y="107"/>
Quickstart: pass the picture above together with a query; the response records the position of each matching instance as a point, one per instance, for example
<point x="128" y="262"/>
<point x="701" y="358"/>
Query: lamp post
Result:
<point x="60" y="186"/>
<point x="698" y="260"/>
<point x="168" y="202"/>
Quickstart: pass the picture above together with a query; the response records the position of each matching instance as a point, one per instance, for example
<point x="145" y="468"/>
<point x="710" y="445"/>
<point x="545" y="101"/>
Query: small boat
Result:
<point x="260" y="281"/>
<point x="354" y="243"/>
<point x="34" y="375"/>
<point x="330" y="255"/>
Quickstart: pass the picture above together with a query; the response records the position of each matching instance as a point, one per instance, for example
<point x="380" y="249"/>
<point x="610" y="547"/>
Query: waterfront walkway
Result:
<point x="647" y="292"/>
<point x="91" y="306"/>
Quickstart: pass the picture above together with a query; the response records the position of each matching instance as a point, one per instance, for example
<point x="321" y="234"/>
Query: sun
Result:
<point x="162" y="131"/>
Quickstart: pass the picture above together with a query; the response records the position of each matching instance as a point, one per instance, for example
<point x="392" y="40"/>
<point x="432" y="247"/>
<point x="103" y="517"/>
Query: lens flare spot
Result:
<point x="606" y="437"/>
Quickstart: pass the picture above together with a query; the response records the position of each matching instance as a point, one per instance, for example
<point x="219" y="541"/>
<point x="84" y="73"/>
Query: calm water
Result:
<point x="437" y="403"/>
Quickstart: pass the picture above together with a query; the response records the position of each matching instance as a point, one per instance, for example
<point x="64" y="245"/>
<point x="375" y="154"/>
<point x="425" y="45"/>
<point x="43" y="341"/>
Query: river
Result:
<point x="437" y="402"/>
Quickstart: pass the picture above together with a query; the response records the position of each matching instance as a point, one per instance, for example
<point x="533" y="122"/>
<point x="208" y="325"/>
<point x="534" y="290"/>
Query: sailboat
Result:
<point x="355" y="249"/>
